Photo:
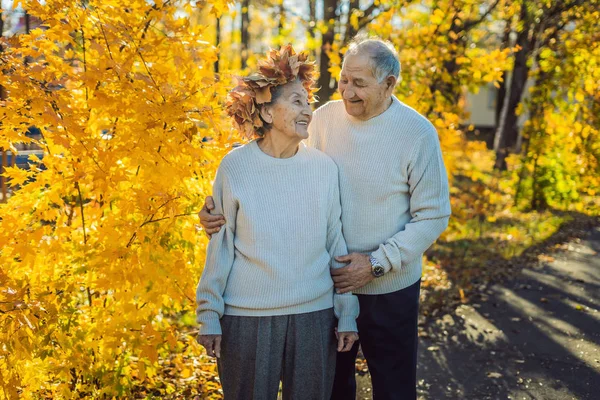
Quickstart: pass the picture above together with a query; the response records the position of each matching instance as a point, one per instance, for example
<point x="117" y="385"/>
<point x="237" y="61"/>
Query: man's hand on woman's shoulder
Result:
<point x="211" y="223"/>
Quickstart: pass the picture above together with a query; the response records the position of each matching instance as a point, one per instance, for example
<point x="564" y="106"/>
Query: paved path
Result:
<point x="535" y="337"/>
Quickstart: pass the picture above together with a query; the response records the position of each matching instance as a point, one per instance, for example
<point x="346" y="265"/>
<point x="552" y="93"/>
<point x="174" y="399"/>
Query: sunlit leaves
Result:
<point x="99" y="248"/>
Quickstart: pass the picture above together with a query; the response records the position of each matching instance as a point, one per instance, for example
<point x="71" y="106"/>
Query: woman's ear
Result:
<point x="265" y="114"/>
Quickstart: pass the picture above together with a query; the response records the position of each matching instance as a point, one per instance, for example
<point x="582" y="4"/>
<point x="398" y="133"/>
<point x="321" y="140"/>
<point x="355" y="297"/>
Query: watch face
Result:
<point x="378" y="270"/>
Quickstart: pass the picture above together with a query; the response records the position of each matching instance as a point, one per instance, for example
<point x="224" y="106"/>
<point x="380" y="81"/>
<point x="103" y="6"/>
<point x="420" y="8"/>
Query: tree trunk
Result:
<point x="2" y="178"/>
<point x="507" y="131"/>
<point x="217" y="43"/>
<point x="281" y="19"/>
<point x="502" y="89"/>
<point x="537" y="137"/>
<point x="324" y="83"/>
<point x="538" y="201"/>
<point x="350" y="31"/>
<point x="2" y="90"/>
<point x="450" y="91"/>
<point x="500" y="96"/>
<point x="312" y="8"/>
<point x="1" y="23"/>
<point x="457" y="46"/>
<point x="245" y="33"/>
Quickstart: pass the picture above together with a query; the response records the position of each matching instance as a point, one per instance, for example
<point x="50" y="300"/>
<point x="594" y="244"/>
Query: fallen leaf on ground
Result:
<point x="545" y="258"/>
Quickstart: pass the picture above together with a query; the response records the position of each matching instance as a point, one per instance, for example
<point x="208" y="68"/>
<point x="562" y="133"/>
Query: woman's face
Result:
<point x="291" y="113"/>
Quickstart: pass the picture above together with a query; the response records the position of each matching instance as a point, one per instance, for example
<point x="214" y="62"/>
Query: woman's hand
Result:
<point x="212" y="344"/>
<point x="345" y="340"/>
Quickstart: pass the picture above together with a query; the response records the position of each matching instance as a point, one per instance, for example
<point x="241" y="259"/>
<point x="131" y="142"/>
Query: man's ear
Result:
<point x="265" y="114"/>
<point x="391" y="81"/>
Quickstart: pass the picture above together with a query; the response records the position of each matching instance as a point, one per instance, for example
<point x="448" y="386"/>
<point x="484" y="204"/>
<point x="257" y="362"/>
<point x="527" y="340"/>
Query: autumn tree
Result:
<point x="537" y="23"/>
<point x="99" y="252"/>
<point x="560" y="165"/>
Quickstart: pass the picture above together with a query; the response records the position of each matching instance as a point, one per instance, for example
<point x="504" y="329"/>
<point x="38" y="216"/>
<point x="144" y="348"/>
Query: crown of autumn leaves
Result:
<point x="280" y="67"/>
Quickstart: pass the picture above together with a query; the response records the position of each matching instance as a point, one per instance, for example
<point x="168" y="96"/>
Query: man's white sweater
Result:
<point x="283" y="227"/>
<point x="393" y="186"/>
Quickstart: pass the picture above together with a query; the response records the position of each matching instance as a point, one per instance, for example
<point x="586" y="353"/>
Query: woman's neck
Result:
<point x="277" y="146"/>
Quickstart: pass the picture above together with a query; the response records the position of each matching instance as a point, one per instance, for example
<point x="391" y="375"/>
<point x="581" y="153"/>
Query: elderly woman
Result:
<point x="266" y="305"/>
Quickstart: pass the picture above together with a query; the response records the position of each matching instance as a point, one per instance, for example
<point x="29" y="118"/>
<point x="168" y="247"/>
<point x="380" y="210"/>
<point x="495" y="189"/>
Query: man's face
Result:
<point x="363" y="96"/>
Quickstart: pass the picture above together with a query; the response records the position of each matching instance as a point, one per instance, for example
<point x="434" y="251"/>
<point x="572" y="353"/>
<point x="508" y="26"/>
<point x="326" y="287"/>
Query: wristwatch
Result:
<point x="376" y="268"/>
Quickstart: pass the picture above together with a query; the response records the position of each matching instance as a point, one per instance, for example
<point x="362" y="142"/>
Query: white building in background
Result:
<point x="482" y="110"/>
<point x="482" y="107"/>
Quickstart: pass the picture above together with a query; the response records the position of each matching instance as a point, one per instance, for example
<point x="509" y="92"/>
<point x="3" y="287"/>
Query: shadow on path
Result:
<point x="534" y="337"/>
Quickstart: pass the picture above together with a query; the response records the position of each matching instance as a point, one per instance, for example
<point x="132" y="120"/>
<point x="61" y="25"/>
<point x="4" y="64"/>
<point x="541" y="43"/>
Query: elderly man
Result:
<point x="395" y="204"/>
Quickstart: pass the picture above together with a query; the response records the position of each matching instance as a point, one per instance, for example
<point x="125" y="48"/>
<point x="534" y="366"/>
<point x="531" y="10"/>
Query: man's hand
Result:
<point x="354" y="275"/>
<point x="212" y="344"/>
<point x="345" y="340"/>
<point x="211" y="223"/>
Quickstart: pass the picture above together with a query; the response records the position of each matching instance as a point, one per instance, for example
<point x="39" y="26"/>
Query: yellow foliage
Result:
<point x="99" y="254"/>
<point x="99" y="248"/>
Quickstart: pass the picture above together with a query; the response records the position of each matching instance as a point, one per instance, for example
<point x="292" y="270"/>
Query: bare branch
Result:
<point x="471" y="23"/>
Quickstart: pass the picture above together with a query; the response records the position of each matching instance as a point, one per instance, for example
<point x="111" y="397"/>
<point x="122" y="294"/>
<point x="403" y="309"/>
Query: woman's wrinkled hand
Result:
<point x="212" y="344"/>
<point x="345" y="340"/>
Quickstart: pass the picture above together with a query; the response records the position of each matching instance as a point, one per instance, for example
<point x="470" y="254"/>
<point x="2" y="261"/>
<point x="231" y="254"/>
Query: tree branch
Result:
<point x="82" y="214"/>
<point x="163" y="218"/>
<point x="84" y="66"/>
<point x="151" y="219"/>
<point x="101" y="24"/>
<point x="471" y="23"/>
<point x="151" y="77"/>
<point x="184" y="293"/>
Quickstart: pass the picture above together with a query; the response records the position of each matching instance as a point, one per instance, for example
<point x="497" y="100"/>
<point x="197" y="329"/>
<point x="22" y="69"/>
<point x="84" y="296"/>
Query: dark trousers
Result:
<point x="387" y="326"/>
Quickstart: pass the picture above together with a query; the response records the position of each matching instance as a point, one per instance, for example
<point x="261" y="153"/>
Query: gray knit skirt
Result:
<point x="258" y="352"/>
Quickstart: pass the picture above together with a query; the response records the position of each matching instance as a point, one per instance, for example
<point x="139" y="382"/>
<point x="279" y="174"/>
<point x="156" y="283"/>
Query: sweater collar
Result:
<point x="278" y="161"/>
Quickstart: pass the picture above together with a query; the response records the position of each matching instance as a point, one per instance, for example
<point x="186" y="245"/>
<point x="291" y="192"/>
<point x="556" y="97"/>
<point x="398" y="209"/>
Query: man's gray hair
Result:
<point x="384" y="57"/>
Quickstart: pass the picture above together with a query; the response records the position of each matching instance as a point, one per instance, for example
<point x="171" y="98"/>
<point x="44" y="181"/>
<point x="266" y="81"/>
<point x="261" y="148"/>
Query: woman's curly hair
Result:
<point x="280" y="67"/>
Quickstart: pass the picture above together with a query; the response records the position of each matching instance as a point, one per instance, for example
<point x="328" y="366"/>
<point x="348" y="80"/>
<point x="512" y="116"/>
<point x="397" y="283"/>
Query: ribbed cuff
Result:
<point x="380" y="256"/>
<point x="347" y="324"/>
<point x="209" y="324"/>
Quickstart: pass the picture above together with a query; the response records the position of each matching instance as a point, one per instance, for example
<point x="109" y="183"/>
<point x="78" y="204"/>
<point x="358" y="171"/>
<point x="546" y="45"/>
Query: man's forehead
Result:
<point x="357" y="65"/>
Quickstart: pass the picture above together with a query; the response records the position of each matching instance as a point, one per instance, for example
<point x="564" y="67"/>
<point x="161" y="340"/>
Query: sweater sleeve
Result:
<point x="429" y="205"/>
<point x="219" y="260"/>
<point x="345" y="305"/>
